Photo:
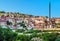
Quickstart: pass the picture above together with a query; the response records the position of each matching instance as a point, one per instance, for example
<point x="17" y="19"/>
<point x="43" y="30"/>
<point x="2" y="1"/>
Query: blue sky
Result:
<point x="33" y="7"/>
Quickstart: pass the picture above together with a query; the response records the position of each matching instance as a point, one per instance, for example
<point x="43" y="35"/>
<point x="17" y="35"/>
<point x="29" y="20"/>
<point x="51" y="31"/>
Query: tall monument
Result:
<point x="50" y="15"/>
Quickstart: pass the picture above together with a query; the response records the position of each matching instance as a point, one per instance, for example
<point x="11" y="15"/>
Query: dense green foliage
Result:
<point x="6" y="34"/>
<point x="58" y="38"/>
<point x="27" y="37"/>
<point x="20" y="30"/>
<point x="28" y="31"/>
<point x="49" y="36"/>
<point x="33" y="31"/>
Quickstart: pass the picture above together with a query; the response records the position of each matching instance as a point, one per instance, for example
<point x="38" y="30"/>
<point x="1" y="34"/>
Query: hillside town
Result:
<point x="12" y="20"/>
<point x="29" y="20"/>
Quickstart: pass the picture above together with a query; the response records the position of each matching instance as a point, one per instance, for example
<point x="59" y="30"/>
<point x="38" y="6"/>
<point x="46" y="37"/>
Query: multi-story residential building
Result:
<point x="29" y="22"/>
<point x="57" y="22"/>
<point x="53" y="23"/>
<point x="37" y="22"/>
<point x="2" y="22"/>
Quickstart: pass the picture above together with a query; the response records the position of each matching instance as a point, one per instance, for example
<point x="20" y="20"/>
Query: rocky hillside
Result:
<point x="15" y="13"/>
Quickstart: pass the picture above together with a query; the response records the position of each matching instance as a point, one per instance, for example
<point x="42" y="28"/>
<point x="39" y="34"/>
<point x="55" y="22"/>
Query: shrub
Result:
<point x="49" y="36"/>
<point x="6" y="34"/>
<point x="23" y="37"/>
<point x="20" y="30"/>
<point x="32" y="31"/>
<point x="58" y="38"/>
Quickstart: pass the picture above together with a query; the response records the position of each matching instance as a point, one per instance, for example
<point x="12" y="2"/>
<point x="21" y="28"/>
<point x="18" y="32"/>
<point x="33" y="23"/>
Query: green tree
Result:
<point x="49" y="36"/>
<point x="6" y="34"/>
<point x="9" y="23"/>
<point x="2" y="11"/>
<point x="58" y="38"/>
<point x="23" y="25"/>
